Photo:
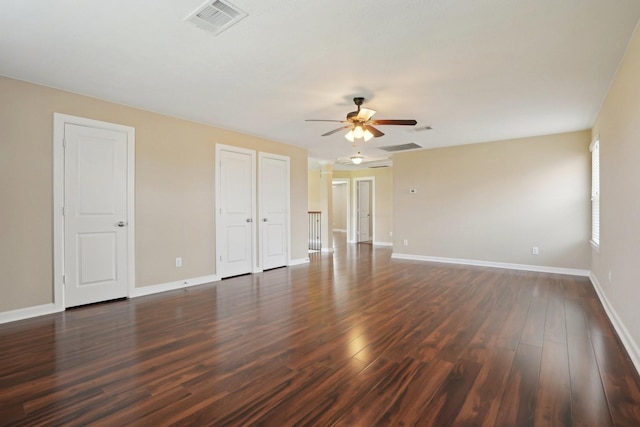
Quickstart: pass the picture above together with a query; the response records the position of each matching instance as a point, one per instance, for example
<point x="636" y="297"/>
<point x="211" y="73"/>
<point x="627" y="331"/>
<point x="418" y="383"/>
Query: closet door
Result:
<point x="274" y="210"/>
<point x="235" y="208"/>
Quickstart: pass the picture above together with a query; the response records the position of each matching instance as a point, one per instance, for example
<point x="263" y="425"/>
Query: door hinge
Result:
<point x="64" y="142"/>
<point x="64" y="279"/>
<point x="63" y="211"/>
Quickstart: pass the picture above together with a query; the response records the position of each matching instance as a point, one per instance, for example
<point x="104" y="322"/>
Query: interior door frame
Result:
<point x="59" y="122"/>
<point x="356" y="208"/>
<point x="347" y="184"/>
<point x="254" y="246"/>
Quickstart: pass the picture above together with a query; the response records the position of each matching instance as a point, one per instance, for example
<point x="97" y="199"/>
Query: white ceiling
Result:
<point x="475" y="70"/>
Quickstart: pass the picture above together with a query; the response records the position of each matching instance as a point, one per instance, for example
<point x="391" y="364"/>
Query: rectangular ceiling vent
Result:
<point x="401" y="147"/>
<point x="216" y="16"/>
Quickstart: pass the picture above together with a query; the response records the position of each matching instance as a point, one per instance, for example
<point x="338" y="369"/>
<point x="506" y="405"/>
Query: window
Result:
<point x="595" y="192"/>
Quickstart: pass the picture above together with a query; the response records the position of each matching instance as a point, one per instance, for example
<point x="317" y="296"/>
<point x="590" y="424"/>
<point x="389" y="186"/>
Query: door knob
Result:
<point x="121" y="224"/>
<point x="249" y="220"/>
<point x="264" y="219"/>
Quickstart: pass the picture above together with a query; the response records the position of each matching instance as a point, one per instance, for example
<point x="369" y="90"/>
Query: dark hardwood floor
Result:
<point x="354" y="339"/>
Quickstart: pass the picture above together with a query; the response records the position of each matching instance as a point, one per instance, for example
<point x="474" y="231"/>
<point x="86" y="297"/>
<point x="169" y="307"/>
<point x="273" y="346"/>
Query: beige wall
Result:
<point x="313" y="191"/>
<point x="174" y="190"/>
<point x="493" y="202"/>
<point x="618" y="129"/>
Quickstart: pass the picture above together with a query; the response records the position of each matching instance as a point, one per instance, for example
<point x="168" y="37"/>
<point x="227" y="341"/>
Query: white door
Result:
<point x="235" y="195"/>
<point x="364" y="211"/>
<point x="274" y="210"/>
<point x="95" y="214"/>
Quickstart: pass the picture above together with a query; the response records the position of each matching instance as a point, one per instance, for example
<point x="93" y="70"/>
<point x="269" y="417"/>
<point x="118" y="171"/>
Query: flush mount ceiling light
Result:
<point x="357" y="159"/>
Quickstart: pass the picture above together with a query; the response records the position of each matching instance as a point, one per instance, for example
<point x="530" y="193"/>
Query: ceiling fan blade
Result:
<point x="376" y="133"/>
<point x="335" y="130"/>
<point x="394" y="122"/>
<point x="365" y="114"/>
<point x="322" y="120"/>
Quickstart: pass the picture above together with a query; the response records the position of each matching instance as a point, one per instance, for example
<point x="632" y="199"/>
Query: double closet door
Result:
<point x="252" y="211"/>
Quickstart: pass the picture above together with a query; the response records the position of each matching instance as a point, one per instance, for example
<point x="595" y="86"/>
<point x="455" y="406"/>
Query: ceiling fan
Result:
<point x="361" y="123"/>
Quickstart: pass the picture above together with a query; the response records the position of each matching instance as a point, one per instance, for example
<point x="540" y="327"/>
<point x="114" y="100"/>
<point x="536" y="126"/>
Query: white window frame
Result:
<point x="595" y="192"/>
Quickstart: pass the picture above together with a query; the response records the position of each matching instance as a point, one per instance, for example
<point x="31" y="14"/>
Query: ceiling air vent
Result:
<point x="216" y="16"/>
<point x="401" y="147"/>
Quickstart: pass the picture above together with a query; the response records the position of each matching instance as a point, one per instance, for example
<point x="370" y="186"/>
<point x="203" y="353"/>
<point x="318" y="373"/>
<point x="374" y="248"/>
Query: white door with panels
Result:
<point x="274" y="210"/>
<point x="235" y="207"/>
<point x="95" y="212"/>
<point x="364" y="211"/>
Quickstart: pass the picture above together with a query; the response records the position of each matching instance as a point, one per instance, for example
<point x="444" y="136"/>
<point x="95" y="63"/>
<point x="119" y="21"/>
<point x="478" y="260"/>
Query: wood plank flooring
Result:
<point x="353" y="339"/>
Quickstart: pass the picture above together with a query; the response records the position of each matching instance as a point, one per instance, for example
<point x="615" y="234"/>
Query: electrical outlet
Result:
<point x="405" y="242"/>
<point x="534" y="250"/>
<point x="178" y="262"/>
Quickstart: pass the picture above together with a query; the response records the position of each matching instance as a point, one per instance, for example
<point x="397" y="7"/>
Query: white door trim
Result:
<point x="59" y="121"/>
<point x="254" y="251"/>
<point x="261" y="156"/>
<point x="354" y="214"/>
<point x="347" y="182"/>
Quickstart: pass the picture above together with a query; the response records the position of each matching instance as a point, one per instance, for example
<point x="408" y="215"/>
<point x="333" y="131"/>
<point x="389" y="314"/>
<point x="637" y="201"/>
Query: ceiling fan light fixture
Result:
<point x="358" y="133"/>
<point x="357" y="159"/>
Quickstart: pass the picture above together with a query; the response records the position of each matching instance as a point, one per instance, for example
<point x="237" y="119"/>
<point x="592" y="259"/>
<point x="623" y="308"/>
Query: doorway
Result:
<point x="364" y="202"/>
<point x="235" y="210"/>
<point x="94" y="258"/>
<point x="341" y="206"/>
<point x="247" y="240"/>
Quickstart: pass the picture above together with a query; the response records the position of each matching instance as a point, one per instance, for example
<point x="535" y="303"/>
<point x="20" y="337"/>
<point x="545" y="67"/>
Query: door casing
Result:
<point x="347" y="183"/>
<point x="355" y="203"/>
<point x="59" y="121"/>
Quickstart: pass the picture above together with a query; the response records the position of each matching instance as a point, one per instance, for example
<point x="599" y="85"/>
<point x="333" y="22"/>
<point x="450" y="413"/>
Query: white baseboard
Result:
<point x="506" y="265"/>
<point x="326" y="250"/>
<point x="382" y="243"/>
<point x="299" y="261"/>
<point x="172" y="286"/>
<point x="28" y="312"/>
<point x="627" y="341"/>
<point x="339" y="230"/>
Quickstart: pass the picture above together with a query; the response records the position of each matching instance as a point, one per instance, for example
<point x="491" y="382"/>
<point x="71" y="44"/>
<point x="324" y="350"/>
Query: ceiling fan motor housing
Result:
<point x="358" y="101"/>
